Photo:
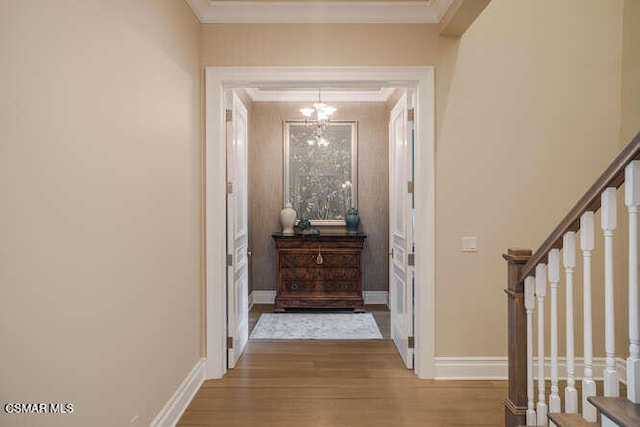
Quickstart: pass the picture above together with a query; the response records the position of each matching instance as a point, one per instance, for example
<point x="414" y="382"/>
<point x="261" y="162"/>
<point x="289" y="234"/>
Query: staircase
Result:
<point x="569" y="250"/>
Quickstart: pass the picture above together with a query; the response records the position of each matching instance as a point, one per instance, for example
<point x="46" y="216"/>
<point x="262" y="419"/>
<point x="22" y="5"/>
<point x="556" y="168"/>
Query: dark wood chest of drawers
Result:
<point x="319" y="271"/>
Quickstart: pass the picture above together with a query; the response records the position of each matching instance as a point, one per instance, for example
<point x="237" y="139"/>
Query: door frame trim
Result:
<point x="217" y="79"/>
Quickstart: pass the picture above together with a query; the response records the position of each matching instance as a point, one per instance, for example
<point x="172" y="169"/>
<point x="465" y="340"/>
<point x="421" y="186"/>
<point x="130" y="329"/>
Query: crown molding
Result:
<point x="199" y="7"/>
<point x="283" y="12"/>
<point x="258" y="95"/>
<point x="440" y="8"/>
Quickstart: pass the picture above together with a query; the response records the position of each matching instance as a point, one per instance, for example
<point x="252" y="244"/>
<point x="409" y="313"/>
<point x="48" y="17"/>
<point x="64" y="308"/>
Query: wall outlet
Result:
<point x="470" y="244"/>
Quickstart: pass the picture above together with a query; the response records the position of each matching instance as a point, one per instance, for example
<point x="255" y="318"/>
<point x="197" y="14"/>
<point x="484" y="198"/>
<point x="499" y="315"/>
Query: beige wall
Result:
<point x="629" y="128"/>
<point x="531" y="121"/>
<point x="630" y="117"/>
<point x="99" y="176"/>
<point x="265" y="185"/>
<point x="527" y="109"/>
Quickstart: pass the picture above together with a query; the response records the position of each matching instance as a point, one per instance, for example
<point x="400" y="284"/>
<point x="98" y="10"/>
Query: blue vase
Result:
<point x="353" y="220"/>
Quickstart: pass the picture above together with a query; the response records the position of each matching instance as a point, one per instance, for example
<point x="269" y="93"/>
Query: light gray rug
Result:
<point x="316" y="326"/>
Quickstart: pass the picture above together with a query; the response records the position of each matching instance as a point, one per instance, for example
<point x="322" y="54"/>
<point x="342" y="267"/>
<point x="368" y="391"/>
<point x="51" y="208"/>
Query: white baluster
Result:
<point x="529" y="305"/>
<point x="569" y="261"/>
<point x="611" y="382"/>
<point x="588" y="384"/>
<point x="632" y="200"/>
<point x="541" y="292"/>
<point x="554" y="277"/>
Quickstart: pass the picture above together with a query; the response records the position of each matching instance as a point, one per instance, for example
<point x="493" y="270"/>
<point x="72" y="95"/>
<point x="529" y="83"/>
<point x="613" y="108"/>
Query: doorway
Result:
<point x="220" y="79"/>
<point x="323" y="170"/>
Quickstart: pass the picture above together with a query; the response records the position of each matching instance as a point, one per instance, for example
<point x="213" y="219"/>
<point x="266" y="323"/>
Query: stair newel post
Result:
<point x="632" y="200"/>
<point x="611" y="382"/>
<point x="569" y="262"/>
<point x="516" y="403"/>
<point x="541" y="293"/>
<point x="553" y="269"/>
<point x="589" y="412"/>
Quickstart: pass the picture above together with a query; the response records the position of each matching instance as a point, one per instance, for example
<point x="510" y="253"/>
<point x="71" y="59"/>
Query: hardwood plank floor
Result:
<point x="338" y="383"/>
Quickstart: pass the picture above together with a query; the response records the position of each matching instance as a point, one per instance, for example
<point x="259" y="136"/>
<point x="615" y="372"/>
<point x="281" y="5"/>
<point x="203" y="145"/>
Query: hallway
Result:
<point x="338" y="383"/>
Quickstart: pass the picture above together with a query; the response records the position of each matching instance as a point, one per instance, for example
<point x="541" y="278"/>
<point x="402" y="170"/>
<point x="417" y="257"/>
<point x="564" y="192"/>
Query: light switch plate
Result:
<point x="470" y="244"/>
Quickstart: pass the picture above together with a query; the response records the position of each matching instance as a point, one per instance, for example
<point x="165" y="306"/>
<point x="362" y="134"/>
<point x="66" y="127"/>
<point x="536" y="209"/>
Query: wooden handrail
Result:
<point x="613" y="176"/>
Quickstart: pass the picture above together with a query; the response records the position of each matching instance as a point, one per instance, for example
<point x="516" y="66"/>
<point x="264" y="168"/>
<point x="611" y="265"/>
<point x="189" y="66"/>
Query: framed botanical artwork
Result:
<point x="320" y="170"/>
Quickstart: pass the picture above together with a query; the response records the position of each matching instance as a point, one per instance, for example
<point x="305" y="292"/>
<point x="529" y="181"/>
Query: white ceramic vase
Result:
<point x="287" y="219"/>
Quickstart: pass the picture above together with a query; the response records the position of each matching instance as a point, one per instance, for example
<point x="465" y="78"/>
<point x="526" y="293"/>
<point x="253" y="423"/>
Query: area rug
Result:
<point x="316" y="326"/>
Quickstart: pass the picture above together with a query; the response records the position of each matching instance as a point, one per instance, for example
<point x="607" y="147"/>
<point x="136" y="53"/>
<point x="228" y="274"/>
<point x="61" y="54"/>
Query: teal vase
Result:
<point x="353" y="220"/>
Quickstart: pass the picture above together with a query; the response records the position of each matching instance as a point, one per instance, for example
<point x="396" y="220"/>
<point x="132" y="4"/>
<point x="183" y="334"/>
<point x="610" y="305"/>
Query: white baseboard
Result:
<point x="496" y="368"/>
<point x="471" y="368"/>
<point x="171" y="412"/>
<point x="262" y="297"/>
<point x="376" y="297"/>
<point x="621" y="369"/>
<point x="268" y="297"/>
<point x="598" y="368"/>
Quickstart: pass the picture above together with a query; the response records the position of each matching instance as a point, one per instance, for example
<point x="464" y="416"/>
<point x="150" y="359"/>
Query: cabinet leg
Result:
<point x="359" y="308"/>
<point x="278" y="308"/>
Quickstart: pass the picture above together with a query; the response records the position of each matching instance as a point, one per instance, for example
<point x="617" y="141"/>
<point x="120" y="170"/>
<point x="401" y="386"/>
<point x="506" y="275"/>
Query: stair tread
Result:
<point x="620" y="410"/>
<point x="570" y="420"/>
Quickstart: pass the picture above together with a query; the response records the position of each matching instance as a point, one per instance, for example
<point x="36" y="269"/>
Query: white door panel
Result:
<point x="400" y="228"/>
<point x="237" y="231"/>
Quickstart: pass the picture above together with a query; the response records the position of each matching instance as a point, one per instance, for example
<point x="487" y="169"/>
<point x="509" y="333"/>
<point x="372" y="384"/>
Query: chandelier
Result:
<point x="319" y="123"/>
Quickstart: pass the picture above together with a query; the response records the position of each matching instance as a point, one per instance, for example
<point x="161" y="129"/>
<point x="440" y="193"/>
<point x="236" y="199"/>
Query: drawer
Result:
<point x="328" y="259"/>
<point x="298" y="259"/>
<point x="341" y="259"/>
<point x="299" y="274"/>
<point x="339" y="286"/>
<point x="331" y="273"/>
<point x="297" y="286"/>
<point x="319" y="273"/>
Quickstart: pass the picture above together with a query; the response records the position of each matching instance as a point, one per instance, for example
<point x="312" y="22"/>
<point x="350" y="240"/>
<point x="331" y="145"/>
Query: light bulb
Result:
<point x="307" y="112"/>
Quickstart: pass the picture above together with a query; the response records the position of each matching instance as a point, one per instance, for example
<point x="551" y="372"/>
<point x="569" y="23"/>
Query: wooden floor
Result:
<point x="338" y="383"/>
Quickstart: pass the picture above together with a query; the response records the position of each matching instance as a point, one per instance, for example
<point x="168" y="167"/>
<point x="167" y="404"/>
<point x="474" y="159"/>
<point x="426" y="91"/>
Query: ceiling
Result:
<point x="327" y="11"/>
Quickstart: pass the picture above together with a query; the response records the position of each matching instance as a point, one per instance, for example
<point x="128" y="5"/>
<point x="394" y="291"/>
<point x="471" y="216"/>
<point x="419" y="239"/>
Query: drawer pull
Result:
<point x="344" y="273"/>
<point x="319" y="259"/>
<point x="294" y="286"/>
<point x="344" y="286"/>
